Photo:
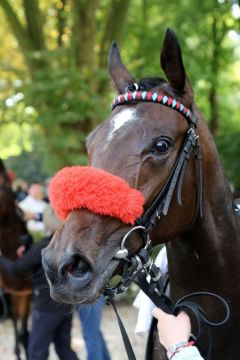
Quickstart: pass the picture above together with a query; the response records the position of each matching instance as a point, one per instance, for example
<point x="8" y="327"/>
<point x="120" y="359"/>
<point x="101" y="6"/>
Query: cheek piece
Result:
<point x="86" y="187"/>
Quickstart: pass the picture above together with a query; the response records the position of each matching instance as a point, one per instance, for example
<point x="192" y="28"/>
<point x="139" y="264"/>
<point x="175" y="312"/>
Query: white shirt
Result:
<point x="30" y="204"/>
<point x="143" y="303"/>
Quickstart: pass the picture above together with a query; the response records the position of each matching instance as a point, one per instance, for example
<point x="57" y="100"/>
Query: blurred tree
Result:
<point x="61" y="65"/>
<point x="64" y="68"/>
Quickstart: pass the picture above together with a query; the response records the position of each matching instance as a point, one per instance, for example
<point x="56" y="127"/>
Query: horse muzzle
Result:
<point x="73" y="269"/>
<point x="74" y="280"/>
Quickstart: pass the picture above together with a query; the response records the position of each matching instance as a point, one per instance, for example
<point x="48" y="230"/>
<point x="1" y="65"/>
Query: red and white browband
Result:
<point x="97" y="190"/>
<point x="148" y="96"/>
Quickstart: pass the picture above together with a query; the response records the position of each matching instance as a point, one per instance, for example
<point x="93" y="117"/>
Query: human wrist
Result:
<point x="174" y="349"/>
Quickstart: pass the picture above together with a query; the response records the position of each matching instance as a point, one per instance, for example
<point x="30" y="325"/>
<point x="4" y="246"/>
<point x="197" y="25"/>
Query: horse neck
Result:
<point x="12" y="227"/>
<point x="212" y="246"/>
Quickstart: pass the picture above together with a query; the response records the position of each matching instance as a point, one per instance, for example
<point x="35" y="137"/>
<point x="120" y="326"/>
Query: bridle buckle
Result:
<point x="123" y="253"/>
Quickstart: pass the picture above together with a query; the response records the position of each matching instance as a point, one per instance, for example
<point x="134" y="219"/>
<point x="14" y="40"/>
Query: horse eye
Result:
<point x="162" y="146"/>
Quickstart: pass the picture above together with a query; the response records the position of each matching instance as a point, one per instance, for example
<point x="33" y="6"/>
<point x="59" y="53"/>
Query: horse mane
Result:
<point x="158" y="84"/>
<point x="149" y="83"/>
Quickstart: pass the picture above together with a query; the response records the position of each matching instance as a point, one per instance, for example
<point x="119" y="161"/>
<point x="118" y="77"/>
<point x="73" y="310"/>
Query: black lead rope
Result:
<point x="164" y="302"/>
<point x="126" y="341"/>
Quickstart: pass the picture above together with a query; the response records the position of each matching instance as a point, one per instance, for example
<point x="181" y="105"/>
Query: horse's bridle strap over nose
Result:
<point x="86" y="187"/>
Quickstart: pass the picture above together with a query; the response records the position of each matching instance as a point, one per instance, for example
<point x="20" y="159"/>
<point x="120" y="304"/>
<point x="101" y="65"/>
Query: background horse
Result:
<point x="12" y="227"/>
<point x="140" y="142"/>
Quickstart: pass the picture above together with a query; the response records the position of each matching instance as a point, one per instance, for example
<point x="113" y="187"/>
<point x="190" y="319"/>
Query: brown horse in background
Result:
<point x="140" y="142"/>
<point x="12" y="227"/>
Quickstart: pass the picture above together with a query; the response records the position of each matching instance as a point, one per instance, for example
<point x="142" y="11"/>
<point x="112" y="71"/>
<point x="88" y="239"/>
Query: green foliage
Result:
<point x="28" y="165"/>
<point x="228" y="140"/>
<point x="68" y="109"/>
<point x="61" y="69"/>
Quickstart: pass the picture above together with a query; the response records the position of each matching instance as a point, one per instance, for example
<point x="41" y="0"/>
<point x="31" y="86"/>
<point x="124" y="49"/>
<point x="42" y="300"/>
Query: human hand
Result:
<point x="172" y="329"/>
<point x="21" y="250"/>
<point x="29" y="216"/>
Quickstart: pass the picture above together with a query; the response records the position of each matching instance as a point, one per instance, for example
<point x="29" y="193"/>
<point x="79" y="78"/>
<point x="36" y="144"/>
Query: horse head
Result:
<point x="140" y="142"/>
<point x="6" y="193"/>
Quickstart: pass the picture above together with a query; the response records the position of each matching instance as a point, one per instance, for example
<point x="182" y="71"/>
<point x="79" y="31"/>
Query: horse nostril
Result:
<point x="77" y="268"/>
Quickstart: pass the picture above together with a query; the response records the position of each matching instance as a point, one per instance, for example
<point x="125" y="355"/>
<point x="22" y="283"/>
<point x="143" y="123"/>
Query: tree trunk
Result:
<point x="84" y="32"/>
<point x="18" y="30"/>
<point x="34" y="24"/>
<point x="114" y="29"/>
<point x="30" y="37"/>
<point x="61" y="17"/>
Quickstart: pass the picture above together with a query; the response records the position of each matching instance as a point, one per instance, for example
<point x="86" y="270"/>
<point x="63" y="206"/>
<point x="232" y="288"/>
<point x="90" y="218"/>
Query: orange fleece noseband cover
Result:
<point x="86" y="187"/>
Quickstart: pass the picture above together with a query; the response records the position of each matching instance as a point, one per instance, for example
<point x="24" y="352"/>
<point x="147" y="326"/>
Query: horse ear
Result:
<point x="172" y="64"/>
<point x="117" y="70"/>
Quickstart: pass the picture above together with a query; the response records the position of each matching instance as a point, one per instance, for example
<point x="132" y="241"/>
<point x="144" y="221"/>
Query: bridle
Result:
<point x="138" y="267"/>
<point x="160" y="205"/>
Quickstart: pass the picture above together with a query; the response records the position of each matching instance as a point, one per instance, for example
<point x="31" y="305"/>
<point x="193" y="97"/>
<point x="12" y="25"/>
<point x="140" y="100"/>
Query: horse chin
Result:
<point x="69" y="292"/>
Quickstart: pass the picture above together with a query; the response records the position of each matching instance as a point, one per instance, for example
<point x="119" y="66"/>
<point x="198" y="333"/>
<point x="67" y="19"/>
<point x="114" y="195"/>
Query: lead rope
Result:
<point x="163" y="302"/>
<point x="126" y="341"/>
<point x="136" y="269"/>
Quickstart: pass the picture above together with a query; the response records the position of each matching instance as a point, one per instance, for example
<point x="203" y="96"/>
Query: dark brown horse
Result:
<point x="140" y="142"/>
<point x="12" y="227"/>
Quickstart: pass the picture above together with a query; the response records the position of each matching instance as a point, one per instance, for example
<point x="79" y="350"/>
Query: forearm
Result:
<point x="26" y="240"/>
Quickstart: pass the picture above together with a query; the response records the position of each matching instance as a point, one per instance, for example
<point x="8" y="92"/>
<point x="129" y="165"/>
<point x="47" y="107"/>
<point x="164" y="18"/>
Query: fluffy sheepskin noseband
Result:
<point x="97" y="190"/>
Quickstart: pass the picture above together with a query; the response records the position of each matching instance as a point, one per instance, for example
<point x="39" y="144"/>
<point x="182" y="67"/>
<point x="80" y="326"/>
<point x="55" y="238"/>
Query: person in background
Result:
<point x="90" y="317"/>
<point x="20" y="188"/>
<point x="51" y="321"/>
<point x="33" y="207"/>
<point x="174" y="333"/>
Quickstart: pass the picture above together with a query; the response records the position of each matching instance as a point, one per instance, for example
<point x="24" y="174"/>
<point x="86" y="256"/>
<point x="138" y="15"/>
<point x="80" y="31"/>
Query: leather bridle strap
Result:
<point x="161" y="203"/>
<point x="126" y="341"/>
<point x="137" y="268"/>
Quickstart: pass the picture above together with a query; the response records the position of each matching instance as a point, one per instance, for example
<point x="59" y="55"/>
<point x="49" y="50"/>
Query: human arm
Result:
<point x="33" y="216"/>
<point x="26" y="242"/>
<point x="174" y="333"/>
<point x="26" y="263"/>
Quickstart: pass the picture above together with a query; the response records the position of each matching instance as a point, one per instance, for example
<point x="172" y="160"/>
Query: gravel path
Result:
<point x="110" y="330"/>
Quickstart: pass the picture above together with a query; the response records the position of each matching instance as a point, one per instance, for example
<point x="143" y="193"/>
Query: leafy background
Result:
<point x="54" y="82"/>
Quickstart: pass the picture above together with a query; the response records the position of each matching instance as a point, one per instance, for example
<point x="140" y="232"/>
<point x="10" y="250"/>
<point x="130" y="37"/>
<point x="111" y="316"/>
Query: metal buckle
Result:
<point x="192" y="132"/>
<point x="122" y="253"/>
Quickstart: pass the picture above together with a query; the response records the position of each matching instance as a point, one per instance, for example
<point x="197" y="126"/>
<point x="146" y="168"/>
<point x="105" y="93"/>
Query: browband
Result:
<point x="148" y="96"/>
